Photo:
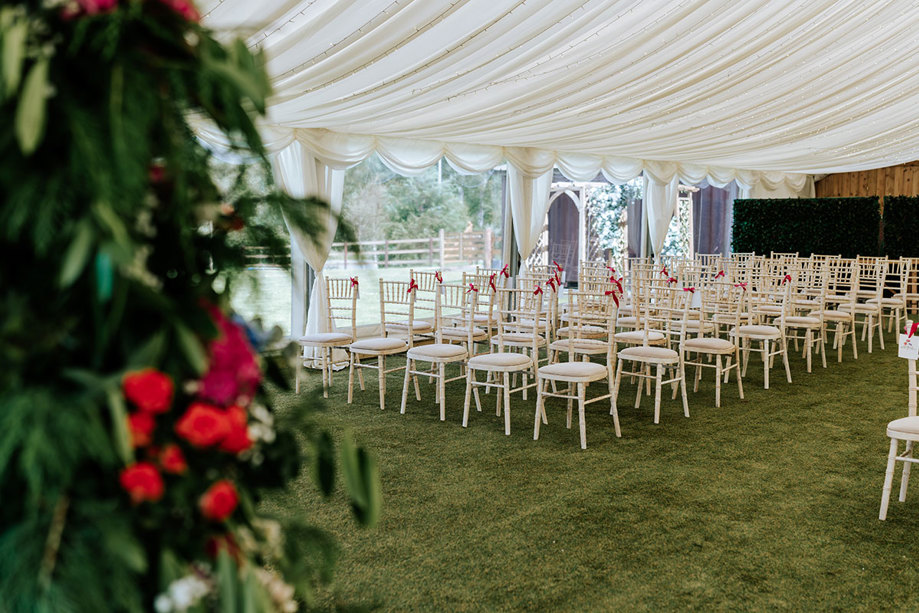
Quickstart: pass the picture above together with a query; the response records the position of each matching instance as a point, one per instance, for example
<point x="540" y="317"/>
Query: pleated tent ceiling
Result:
<point x="761" y="93"/>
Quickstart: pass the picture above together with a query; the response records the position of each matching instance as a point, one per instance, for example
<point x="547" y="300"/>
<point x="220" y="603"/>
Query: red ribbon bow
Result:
<point x="537" y="291"/>
<point x="353" y="281"/>
<point x="664" y="271"/>
<point x="504" y="271"/>
<point x="557" y="267"/>
<point x="720" y="274"/>
<point x="411" y="285"/>
<point x="439" y="277"/>
<point x="472" y="288"/>
<point x="612" y="293"/>
<point x="912" y="330"/>
<point x="672" y="280"/>
<point x="558" y="279"/>
<point x="491" y="282"/>
<point x="689" y="289"/>
<point x="611" y="269"/>
<point x="786" y="279"/>
<point x="743" y="285"/>
<point x="618" y="283"/>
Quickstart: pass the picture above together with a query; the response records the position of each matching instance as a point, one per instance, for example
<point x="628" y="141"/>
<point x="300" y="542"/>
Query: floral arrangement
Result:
<point x="137" y="432"/>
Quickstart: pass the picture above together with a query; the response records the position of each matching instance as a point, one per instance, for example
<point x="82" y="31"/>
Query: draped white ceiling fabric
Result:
<point x="801" y="86"/>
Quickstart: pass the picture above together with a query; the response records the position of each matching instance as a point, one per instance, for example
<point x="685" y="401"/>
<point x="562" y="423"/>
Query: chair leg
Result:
<point x="443" y="396"/>
<point x="470" y="376"/>
<point x="615" y="398"/>
<point x="808" y="341"/>
<point x="507" y="405"/>
<point x="682" y="371"/>
<point x="906" y="466"/>
<point x="540" y="411"/>
<point x="612" y="409"/>
<point x="581" y="422"/>
<point x="784" y="342"/>
<point x="854" y="344"/>
<point x="739" y="378"/>
<point x="869" y="326"/>
<point x="880" y="334"/>
<point x="382" y="376"/>
<point x="888" y="479"/>
<point x="299" y="370"/>
<point x="326" y="367"/>
<point x="350" y="376"/>
<point x="765" y="344"/>
<point x="641" y="384"/>
<point x="657" y="393"/>
<point x="360" y="373"/>
<point x="408" y="371"/>
<point x="718" y="381"/>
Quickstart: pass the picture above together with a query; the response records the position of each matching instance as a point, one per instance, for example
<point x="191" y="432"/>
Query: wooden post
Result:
<point x="345" y="247"/>
<point x="462" y="255"/>
<point x="440" y="236"/>
<point x="488" y="246"/>
<point x="385" y="253"/>
<point x="431" y="251"/>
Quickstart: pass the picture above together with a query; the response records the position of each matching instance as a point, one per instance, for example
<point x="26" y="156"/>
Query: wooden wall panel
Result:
<point x="902" y="180"/>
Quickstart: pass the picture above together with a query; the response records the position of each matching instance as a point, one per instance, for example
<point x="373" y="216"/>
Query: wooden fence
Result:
<point x="440" y="250"/>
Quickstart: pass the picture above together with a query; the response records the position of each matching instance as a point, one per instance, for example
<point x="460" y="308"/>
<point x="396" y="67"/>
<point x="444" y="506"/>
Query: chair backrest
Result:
<point x="871" y="271"/>
<point x="516" y="306"/>
<point x="426" y="284"/>
<point x="341" y="299"/>
<point x="722" y="304"/>
<point x="455" y="303"/>
<point x="397" y="306"/>
<point x="667" y="311"/>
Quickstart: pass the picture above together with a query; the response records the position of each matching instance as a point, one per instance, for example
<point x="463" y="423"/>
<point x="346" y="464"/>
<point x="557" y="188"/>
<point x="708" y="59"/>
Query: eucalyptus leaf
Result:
<point x="362" y="482"/>
<point x="77" y="254"/>
<point x="119" y="415"/>
<point x="192" y="347"/>
<point x="14" y="52"/>
<point x="30" y="113"/>
<point x="105" y="276"/>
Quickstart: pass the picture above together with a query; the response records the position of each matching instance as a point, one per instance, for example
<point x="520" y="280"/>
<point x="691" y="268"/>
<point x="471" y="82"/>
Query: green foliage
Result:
<point x="113" y="237"/>
<point x="844" y="226"/>
<point x="901" y="226"/>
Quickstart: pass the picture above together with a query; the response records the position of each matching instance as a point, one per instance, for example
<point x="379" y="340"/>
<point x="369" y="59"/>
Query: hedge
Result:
<point x="901" y="226"/>
<point x="844" y="226"/>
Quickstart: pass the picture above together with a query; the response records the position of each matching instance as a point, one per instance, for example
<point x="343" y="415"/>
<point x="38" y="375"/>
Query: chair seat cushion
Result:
<point x="573" y="371"/>
<point x="904" y="425"/>
<point x="713" y="345"/>
<point x="624" y="322"/>
<point x="378" y="344"/>
<point x="418" y="325"/>
<point x="887" y="301"/>
<point x="438" y="351"/>
<point x="461" y="332"/>
<point x="326" y="338"/>
<point x="482" y="318"/>
<point x="586" y="330"/>
<point x="657" y="354"/>
<point x="500" y="362"/>
<point x="517" y="338"/>
<point x="637" y="336"/>
<point x="861" y="307"/>
<point x="694" y="325"/>
<point x="582" y="345"/>
<point x="833" y="315"/>
<point x="800" y="321"/>
<point x="768" y="308"/>
<point x="759" y="331"/>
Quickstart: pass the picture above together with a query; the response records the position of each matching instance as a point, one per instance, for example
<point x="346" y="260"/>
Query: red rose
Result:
<point x="142" y="482"/>
<point x="203" y="425"/>
<point x="173" y="460"/>
<point x="237" y="439"/>
<point x="141" y="426"/>
<point x="149" y="390"/>
<point x="219" y="501"/>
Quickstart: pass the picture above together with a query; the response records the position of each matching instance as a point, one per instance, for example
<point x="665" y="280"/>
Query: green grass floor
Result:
<point x="766" y="503"/>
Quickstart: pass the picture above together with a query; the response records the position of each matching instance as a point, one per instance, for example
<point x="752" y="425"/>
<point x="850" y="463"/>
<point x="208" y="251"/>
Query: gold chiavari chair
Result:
<point x="341" y="301"/>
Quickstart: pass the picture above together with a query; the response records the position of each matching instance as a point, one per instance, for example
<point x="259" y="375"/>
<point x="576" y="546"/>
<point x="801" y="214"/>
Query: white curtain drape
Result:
<point x="660" y="199"/>
<point x="529" y="200"/>
<point x="300" y="173"/>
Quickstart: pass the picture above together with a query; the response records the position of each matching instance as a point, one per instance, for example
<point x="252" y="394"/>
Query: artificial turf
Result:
<point x="766" y="503"/>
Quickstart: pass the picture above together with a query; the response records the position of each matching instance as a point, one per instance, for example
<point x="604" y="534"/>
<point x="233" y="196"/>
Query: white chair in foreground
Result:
<point x="454" y="299"/>
<point x="341" y="301"/>
<point x="588" y="312"/>
<point x="903" y="429"/>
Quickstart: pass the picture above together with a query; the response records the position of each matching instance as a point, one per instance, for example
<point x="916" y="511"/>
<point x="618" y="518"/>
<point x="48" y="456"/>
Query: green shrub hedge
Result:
<point x="901" y="226"/>
<point x="845" y="226"/>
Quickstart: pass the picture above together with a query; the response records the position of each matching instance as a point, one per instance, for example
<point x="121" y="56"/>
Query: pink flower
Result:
<point x="185" y="8"/>
<point x="76" y="8"/>
<point x="233" y="375"/>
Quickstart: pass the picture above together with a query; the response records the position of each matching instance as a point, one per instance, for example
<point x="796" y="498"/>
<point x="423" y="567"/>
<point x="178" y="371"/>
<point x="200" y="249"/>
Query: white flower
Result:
<point x="163" y="604"/>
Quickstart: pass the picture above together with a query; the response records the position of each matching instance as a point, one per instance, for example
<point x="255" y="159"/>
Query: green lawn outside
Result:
<point x="769" y="503"/>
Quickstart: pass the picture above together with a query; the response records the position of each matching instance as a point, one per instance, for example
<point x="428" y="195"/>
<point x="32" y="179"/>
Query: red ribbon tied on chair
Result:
<point x="491" y="282"/>
<point x="439" y="277"/>
<point x="558" y="279"/>
<point x="537" y="291"/>
<point x="743" y="285"/>
<point x="412" y="285"/>
<point x="472" y="288"/>
<point x="612" y="270"/>
<point x="672" y="280"/>
<point x="691" y="290"/>
<point x="664" y="272"/>
<point x="911" y="330"/>
<point x="353" y="281"/>
<point x="720" y="274"/>
<point x="612" y="293"/>
<point x="618" y="283"/>
<point x="504" y="272"/>
<point x="558" y="267"/>
<point x="786" y="279"/>
<point x="552" y="283"/>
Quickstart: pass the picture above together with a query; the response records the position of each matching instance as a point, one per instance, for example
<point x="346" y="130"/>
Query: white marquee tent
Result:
<point x="765" y="93"/>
